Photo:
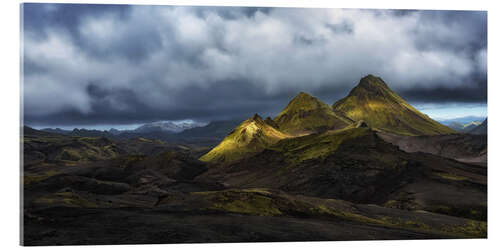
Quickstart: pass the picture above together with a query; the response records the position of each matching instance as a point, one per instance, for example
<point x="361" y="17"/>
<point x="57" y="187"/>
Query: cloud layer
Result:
<point x="118" y="64"/>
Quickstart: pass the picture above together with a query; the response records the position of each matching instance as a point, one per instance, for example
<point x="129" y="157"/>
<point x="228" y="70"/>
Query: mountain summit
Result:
<point x="307" y="114"/>
<point x="251" y="136"/>
<point x="375" y="103"/>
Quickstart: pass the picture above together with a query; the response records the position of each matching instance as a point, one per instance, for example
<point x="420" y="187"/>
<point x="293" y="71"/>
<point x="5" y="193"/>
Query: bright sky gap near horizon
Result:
<point x="102" y="66"/>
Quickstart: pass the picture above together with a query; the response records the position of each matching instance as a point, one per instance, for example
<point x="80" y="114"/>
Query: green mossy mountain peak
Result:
<point x="306" y="114"/>
<point x="303" y="101"/>
<point x="374" y="102"/>
<point x="251" y="136"/>
<point x="371" y="84"/>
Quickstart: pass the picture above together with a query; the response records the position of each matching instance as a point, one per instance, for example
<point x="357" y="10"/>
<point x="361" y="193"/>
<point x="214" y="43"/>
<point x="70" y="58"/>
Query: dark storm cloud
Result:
<point x="38" y="16"/>
<point x="474" y="91"/>
<point x="442" y="95"/>
<point x="212" y="106"/>
<point x="120" y="64"/>
<point x="451" y="37"/>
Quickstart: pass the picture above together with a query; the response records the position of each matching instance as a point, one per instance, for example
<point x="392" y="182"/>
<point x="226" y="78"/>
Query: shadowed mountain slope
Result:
<point x="372" y="101"/>
<point x="307" y="114"/>
<point x="251" y="136"/>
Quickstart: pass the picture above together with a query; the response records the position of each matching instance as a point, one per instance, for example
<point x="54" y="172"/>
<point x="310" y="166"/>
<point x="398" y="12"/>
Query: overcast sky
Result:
<point x="119" y="65"/>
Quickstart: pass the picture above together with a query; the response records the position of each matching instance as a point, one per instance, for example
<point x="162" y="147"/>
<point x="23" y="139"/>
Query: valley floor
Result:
<point x="80" y="226"/>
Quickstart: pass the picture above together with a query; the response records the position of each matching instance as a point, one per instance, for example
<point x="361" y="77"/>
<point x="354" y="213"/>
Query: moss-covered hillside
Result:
<point x="317" y="146"/>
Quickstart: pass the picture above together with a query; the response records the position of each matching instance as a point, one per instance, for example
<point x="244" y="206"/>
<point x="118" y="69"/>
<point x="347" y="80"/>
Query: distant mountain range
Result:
<point x="167" y="126"/>
<point x="464" y="127"/>
<point x="463" y="120"/>
<point x="196" y="133"/>
<point x="159" y="126"/>
<point x="463" y="124"/>
<point x="482" y="129"/>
